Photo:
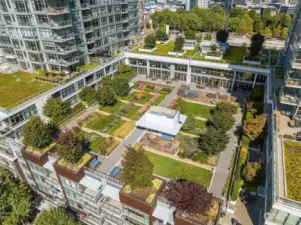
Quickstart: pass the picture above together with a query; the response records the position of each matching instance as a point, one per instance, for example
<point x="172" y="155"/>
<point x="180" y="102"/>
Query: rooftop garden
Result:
<point x="292" y="154"/>
<point x="128" y="110"/>
<point x="140" y="97"/>
<point x="75" y="166"/>
<point x="39" y="151"/>
<point x="18" y="87"/>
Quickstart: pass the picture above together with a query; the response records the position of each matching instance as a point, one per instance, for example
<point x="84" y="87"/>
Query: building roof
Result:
<point x="164" y="212"/>
<point x="91" y="183"/>
<point x="111" y="192"/>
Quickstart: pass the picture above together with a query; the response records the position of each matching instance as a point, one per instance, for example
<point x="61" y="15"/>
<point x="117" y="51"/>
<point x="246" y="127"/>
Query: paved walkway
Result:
<point x="188" y="161"/>
<point x="107" y="114"/>
<point x="127" y="102"/>
<point x="220" y="174"/>
<point x="168" y="99"/>
<point x="101" y="134"/>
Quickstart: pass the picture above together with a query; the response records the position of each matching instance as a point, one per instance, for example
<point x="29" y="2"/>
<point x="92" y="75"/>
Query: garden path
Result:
<point x="197" y="102"/>
<point x="175" y="157"/>
<point x="201" y="118"/>
<point x="107" y="114"/>
<point x="100" y="133"/>
<point x="135" y="103"/>
<point x="188" y="134"/>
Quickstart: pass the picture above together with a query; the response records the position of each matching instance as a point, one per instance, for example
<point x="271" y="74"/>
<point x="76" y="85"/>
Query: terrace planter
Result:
<point x="162" y="42"/>
<point x="250" y="61"/>
<point x="147" y="50"/>
<point x="177" y="53"/>
<point x="213" y="57"/>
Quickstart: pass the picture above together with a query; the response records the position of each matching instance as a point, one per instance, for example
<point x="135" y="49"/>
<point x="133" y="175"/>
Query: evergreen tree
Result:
<point x="150" y="41"/>
<point x="87" y="94"/>
<point x="161" y="36"/>
<point x="179" y="43"/>
<point x="56" y="110"/>
<point x="121" y="86"/>
<point x="137" y="168"/>
<point x="222" y="36"/>
<point x="222" y="121"/>
<point x="106" y="96"/>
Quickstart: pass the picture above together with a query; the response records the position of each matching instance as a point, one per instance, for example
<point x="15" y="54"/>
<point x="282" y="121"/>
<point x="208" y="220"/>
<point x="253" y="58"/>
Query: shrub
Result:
<point x="149" y="88"/>
<point x="249" y="116"/>
<point x="222" y="36"/>
<point x="213" y="211"/>
<point x="123" y="68"/>
<point x="190" y="123"/>
<point x="56" y="110"/>
<point x="226" y="107"/>
<point x="190" y="34"/>
<point x="257" y="41"/>
<point x="222" y="121"/>
<point x="161" y="36"/>
<point x="87" y="94"/>
<point x="165" y="91"/>
<point x="257" y="94"/>
<point x="121" y="86"/>
<point x="208" y="37"/>
<point x="236" y="189"/>
<point x="55" y="216"/>
<point x="150" y="41"/>
<point x="179" y="43"/>
<point x="251" y="171"/>
<point x="106" y="96"/>
<point x="140" y="95"/>
<point x="254" y="128"/>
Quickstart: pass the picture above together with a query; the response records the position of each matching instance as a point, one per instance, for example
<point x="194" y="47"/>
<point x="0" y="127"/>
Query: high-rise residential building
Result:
<point x="61" y="35"/>
<point x="203" y="4"/>
<point x="291" y="92"/>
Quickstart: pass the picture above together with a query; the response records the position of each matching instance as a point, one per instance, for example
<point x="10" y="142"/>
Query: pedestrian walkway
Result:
<point x="175" y="157"/>
<point x="107" y="114"/>
<point x="168" y="99"/>
<point x="100" y="133"/>
<point x="127" y="102"/>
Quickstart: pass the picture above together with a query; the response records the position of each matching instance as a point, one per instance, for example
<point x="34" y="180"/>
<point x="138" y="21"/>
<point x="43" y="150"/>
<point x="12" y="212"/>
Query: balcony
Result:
<point x="90" y="40"/>
<point x="290" y="96"/>
<point x="87" y="18"/>
<point x="112" y="206"/>
<point x="293" y="79"/>
<point x="64" y="38"/>
<point x="296" y="64"/>
<point x="60" y="25"/>
<point x="113" y="219"/>
<point x="57" y="11"/>
<point x="63" y="62"/>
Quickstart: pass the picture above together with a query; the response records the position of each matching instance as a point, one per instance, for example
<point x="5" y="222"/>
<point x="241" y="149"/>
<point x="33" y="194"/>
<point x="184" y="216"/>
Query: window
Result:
<point x="42" y="19"/>
<point x="3" y="6"/>
<point x="39" y="5"/>
<point x="24" y="20"/>
<point x="8" y="20"/>
<point x="21" y="6"/>
<point x="181" y="68"/>
<point x="68" y="91"/>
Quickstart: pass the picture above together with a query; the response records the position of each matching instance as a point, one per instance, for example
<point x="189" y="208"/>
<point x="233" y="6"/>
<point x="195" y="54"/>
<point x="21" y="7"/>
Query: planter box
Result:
<point x="213" y="57"/>
<point x="177" y="53"/>
<point x="146" y="50"/>
<point x="162" y="42"/>
<point x="252" y="62"/>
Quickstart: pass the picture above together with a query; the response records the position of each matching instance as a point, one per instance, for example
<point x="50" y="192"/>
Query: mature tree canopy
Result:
<point x="69" y="147"/>
<point x="106" y="96"/>
<point x="16" y="203"/>
<point x="251" y="171"/>
<point x="36" y="133"/>
<point x="213" y="141"/>
<point x="56" y="109"/>
<point x="137" y="168"/>
<point x="222" y="36"/>
<point x="254" y="128"/>
<point x="226" y="107"/>
<point x="190" y="34"/>
<point x="55" y="216"/>
<point x="222" y="121"/>
<point x="87" y="94"/>
<point x="179" y="43"/>
<point x="121" y="86"/>
<point x="257" y="41"/>
<point x="123" y="68"/>
<point x="188" y="197"/>
<point x="268" y="32"/>
<point x="161" y="36"/>
<point x="150" y="41"/>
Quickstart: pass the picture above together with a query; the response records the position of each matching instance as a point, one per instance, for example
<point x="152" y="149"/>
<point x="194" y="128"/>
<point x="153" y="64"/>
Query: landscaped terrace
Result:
<point x="234" y="54"/>
<point x="19" y="87"/>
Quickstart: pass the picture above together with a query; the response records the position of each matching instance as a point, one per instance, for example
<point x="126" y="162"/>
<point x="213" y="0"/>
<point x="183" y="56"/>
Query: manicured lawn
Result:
<point x="164" y="49"/>
<point x="106" y="124"/>
<point x="97" y="144"/>
<point x="199" y="125"/>
<point x="292" y="155"/>
<point x="235" y="54"/>
<point x="105" y="146"/>
<point x="13" y="91"/>
<point x="196" y="109"/>
<point x="111" y="109"/>
<point x="132" y="98"/>
<point x="191" y="52"/>
<point x="122" y="109"/>
<point x="170" y="168"/>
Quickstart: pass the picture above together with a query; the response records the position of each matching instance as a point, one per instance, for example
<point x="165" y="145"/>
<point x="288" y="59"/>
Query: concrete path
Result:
<point x="197" y="102"/>
<point x="201" y="118"/>
<point x="220" y="174"/>
<point x="83" y="116"/>
<point x="168" y="99"/>
<point x="107" y="114"/>
<point x="115" y="157"/>
<point x="127" y="102"/>
<point x="100" y="133"/>
<point x="175" y="157"/>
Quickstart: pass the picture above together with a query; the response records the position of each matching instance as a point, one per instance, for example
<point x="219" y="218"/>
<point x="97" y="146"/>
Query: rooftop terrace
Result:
<point x="18" y="87"/>
<point x="234" y="54"/>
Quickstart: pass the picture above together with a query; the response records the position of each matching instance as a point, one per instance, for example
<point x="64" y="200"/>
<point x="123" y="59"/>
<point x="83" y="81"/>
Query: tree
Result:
<point x="188" y="197"/>
<point x="121" y="86"/>
<point x="123" y="68"/>
<point x="179" y="43"/>
<point x="214" y="48"/>
<point x="222" y="121"/>
<point x="258" y="25"/>
<point x="284" y="33"/>
<point x="253" y="13"/>
<point x="226" y="107"/>
<point x="222" y="36"/>
<point x="161" y="36"/>
<point x="268" y="32"/>
<point x="189" y="123"/>
<point x="87" y="94"/>
<point x="56" y="110"/>
<point x="16" y="202"/>
<point x="190" y="34"/>
<point x="267" y="16"/>
<point x="106" y="96"/>
<point x="36" y="133"/>
<point x="213" y="141"/>
<point x="55" y="216"/>
<point x="150" y="41"/>
<point x="277" y="31"/>
<point x="254" y="128"/>
<point x="285" y="20"/>
<point x="69" y="147"/>
<point x="257" y="41"/>
<point x="242" y="25"/>
<point x="252" y="171"/>
<point x="137" y="168"/>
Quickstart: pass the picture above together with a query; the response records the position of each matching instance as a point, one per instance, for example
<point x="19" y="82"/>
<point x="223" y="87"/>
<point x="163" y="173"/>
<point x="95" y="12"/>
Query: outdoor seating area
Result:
<point x="210" y="98"/>
<point x="158" y="143"/>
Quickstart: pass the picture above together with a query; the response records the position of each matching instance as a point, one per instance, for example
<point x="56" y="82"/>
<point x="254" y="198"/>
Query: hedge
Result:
<point x="235" y="190"/>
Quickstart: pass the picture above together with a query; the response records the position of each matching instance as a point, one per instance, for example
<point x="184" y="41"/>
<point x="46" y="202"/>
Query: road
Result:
<point x="221" y="171"/>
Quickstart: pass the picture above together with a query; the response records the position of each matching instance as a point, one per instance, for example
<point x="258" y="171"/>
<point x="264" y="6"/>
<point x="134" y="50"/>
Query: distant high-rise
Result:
<point x="203" y="3"/>
<point x="60" y="35"/>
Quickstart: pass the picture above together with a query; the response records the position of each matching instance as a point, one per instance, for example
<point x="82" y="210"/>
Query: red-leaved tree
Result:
<point x="188" y="197"/>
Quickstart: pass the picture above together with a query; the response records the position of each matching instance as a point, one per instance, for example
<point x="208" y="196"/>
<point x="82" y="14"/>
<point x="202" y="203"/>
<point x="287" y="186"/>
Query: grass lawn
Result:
<point x="106" y="124"/>
<point x="199" y="125"/>
<point x="235" y="54"/>
<point x="170" y="168"/>
<point x="13" y="92"/>
<point x="164" y="49"/>
<point x="125" y="129"/>
<point x="292" y="155"/>
<point x="130" y="113"/>
<point x="104" y="146"/>
<point x="111" y="109"/>
<point x="159" y="100"/>
<point x="192" y="52"/>
<point x="132" y="98"/>
<point x="96" y="144"/>
<point x="196" y="109"/>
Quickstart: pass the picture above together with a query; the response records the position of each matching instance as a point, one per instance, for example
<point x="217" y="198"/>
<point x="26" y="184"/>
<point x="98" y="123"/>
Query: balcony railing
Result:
<point x="63" y="62"/>
<point x="297" y="64"/>
<point x="87" y="18"/>
<point x="66" y="37"/>
<point x="85" y="6"/>
<point x="61" y="24"/>
<point x="110" y="180"/>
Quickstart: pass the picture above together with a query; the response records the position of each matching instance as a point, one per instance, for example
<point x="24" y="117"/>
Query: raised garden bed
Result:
<point x="138" y="97"/>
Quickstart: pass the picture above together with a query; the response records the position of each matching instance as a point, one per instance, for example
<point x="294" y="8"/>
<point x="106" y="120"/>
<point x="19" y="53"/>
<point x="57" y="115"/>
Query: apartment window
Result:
<point x="38" y="5"/>
<point x="104" y="20"/>
<point x="28" y="33"/>
<point x="51" y="56"/>
<point x="24" y="20"/>
<point x="34" y="57"/>
<point x="19" y="55"/>
<point x="42" y="19"/>
<point x="3" y="6"/>
<point x="68" y="91"/>
<point x="111" y="19"/>
<point x="110" y="9"/>
<point x="80" y="84"/>
<point x="46" y="33"/>
<point x="21" y="6"/>
<point x="23" y="65"/>
<point x="181" y="68"/>
<point x="48" y="45"/>
<point x="16" y="43"/>
<point x="32" y="45"/>
<point x="8" y="20"/>
<point x="180" y="76"/>
<point x="261" y="78"/>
